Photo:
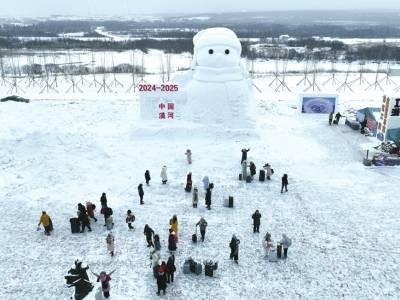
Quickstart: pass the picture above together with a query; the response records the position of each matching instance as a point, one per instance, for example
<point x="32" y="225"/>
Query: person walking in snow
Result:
<point x="147" y="177"/>
<point x="285" y="182"/>
<point x="337" y="118"/>
<point x="244" y="169"/>
<point x="202" y="223"/>
<point x="252" y="169"/>
<point x="130" y="218"/>
<point x="267" y="243"/>
<point x="105" y="279"/>
<point x="163" y="175"/>
<point x="162" y="278"/>
<point x="141" y="193"/>
<point x="195" y="197"/>
<point x="83" y="218"/>
<point x="109" y="218"/>
<point x="90" y="207"/>
<point x="171" y="268"/>
<point x="157" y="244"/>
<point x="244" y="154"/>
<point x="172" y="241"/>
<point x="286" y="243"/>
<point x="46" y="222"/>
<point x="256" y="221"/>
<point x="206" y="182"/>
<point x="148" y="232"/>
<point x="188" y="187"/>
<point x="208" y="198"/>
<point x="330" y="118"/>
<point x="155" y="262"/>
<point x="103" y="201"/>
<point x="234" y="245"/>
<point x="173" y="223"/>
<point x="188" y="154"/>
<point x="268" y="170"/>
<point x="110" y="240"/>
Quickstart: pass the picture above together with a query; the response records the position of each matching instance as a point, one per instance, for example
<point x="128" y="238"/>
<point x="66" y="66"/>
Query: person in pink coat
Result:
<point x="110" y="243"/>
<point x="105" y="279"/>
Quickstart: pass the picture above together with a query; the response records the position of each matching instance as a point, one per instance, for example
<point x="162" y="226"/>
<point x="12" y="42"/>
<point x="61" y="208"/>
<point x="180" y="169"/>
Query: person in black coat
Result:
<point x="141" y="193"/>
<point x="161" y="281"/>
<point x="148" y="232"/>
<point x="147" y="177"/>
<point x="256" y="221"/>
<point x="244" y="155"/>
<point x="234" y="245"/>
<point x="337" y="117"/>
<point x="208" y="198"/>
<point x="83" y="217"/>
<point x="171" y="269"/>
<point x="188" y="187"/>
<point x="171" y="241"/>
<point x="252" y="169"/>
<point x="103" y="201"/>
<point x="284" y="182"/>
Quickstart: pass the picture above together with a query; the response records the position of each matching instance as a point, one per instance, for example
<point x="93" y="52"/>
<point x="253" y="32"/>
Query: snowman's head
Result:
<point x="217" y="48"/>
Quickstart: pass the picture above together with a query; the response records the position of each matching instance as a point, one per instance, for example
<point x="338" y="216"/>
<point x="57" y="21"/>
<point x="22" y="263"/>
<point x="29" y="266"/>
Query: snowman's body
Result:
<point x="217" y="88"/>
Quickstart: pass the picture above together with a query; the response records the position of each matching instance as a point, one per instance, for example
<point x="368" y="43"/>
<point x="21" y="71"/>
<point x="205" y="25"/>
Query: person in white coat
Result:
<point x="110" y="240"/>
<point x="286" y="243"/>
<point x="188" y="154"/>
<point x="244" y="169"/>
<point x="155" y="262"/>
<point x="267" y="243"/>
<point x="163" y="175"/>
<point x="268" y="171"/>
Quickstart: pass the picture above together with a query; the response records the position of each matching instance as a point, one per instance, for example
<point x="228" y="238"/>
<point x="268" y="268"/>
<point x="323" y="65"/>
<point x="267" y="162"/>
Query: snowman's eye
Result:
<point x="211" y="51"/>
<point x="227" y="51"/>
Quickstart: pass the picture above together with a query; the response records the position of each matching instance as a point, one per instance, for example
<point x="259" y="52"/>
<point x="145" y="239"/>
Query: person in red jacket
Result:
<point x="162" y="278"/>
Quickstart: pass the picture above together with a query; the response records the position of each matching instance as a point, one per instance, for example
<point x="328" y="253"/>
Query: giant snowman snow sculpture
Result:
<point x="217" y="89"/>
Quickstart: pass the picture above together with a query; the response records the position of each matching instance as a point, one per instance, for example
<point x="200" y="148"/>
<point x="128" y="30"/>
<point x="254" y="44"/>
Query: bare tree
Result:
<point x="133" y="73"/>
<point x="376" y="84"/>
<point x="346" y="84"/>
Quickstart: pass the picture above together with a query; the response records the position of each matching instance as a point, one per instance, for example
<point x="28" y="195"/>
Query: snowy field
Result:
<point x="341" y="215"/>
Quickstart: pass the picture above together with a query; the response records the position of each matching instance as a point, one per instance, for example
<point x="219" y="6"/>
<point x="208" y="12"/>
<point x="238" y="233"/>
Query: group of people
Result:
<point x="79" y="279"/>
<point x="282" y="245"/>
<point x="107" y="212"/>
<point x="164" y="271"/>
<point x="253" y="171"/>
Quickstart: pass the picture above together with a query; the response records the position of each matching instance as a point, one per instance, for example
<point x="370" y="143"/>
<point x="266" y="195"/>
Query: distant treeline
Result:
<point x="309" y="48"/>
<point x="186" y="29"/>
<point x="169" y="46"/>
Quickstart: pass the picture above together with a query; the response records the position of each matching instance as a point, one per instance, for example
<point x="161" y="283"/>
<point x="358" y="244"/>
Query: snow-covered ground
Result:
<point x="341" y="215"/>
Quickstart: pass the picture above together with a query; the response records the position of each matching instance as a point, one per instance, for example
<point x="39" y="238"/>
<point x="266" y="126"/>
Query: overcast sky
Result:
<point x="25" y="8"/>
